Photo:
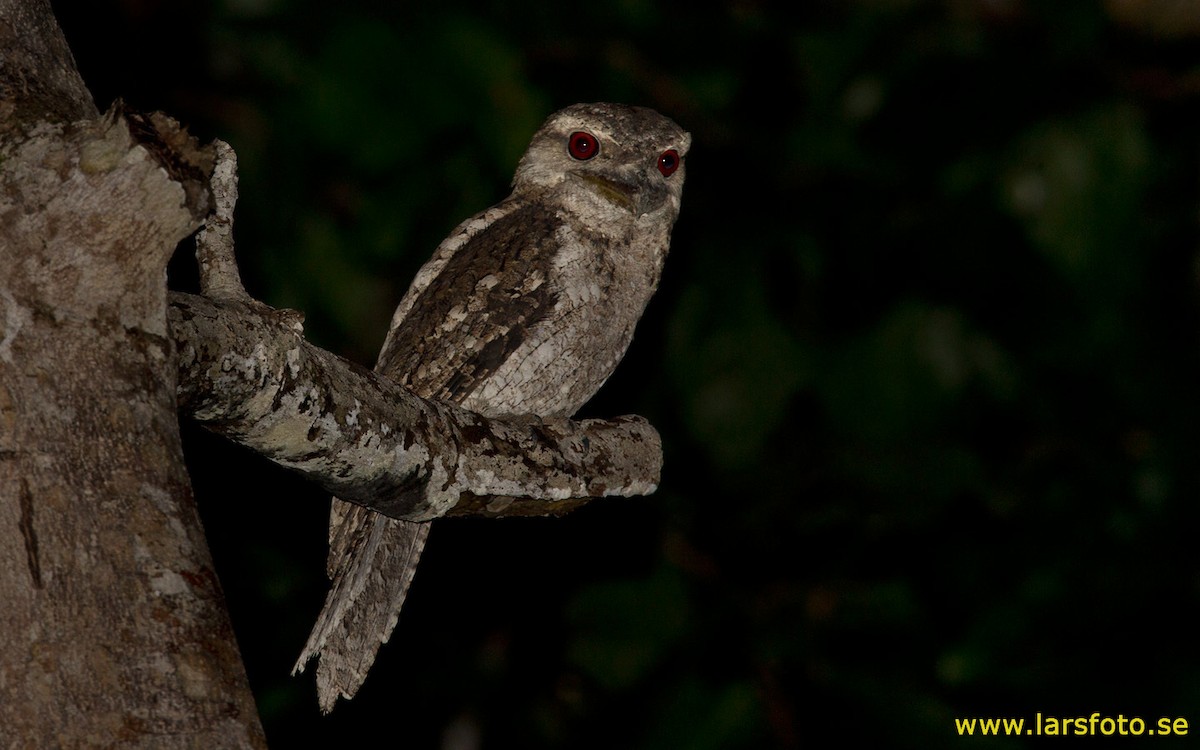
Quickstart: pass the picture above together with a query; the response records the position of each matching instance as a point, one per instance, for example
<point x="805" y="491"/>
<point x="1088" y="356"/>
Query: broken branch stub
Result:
<point x="246" y="372"/>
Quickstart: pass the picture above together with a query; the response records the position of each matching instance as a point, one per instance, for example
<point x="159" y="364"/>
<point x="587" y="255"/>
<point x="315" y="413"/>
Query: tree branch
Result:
<point x="246" y="372"/>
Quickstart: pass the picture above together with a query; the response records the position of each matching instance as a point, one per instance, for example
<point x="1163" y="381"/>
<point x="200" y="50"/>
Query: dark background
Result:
<point x="924" y="360"/>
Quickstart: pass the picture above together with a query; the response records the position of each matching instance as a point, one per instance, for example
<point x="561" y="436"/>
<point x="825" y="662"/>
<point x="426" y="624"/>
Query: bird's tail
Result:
<point x="372" y="559"/>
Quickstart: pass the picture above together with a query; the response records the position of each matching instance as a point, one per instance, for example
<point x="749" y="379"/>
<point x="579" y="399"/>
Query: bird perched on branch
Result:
<point x="525" y="308"/>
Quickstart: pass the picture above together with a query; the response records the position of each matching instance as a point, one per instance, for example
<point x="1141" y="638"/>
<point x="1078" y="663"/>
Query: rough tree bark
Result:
<point x="115" y="629"/>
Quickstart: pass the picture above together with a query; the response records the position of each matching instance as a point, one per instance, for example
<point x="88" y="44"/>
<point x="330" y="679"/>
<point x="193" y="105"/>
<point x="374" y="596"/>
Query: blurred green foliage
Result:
<point x="924" y="360"/>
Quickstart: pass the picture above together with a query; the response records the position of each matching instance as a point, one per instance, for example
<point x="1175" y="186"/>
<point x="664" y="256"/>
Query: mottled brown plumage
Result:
<point x="525" y="308"/>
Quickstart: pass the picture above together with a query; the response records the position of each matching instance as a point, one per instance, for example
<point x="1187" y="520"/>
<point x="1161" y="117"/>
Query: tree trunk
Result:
<point x="115" y="632"/>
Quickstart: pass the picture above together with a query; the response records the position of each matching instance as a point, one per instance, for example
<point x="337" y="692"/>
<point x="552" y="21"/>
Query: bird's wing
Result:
<point x="428" y="349"/>
<point x="464" y="322"/>
<point x="465" y="313"/>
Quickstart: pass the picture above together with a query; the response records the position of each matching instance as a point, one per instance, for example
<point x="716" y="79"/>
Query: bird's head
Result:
<point x="626" y="160"/>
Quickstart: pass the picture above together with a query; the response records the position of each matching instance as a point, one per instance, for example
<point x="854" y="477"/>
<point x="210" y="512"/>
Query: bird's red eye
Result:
<point x="583" y="146"/>
<point x="668" y="162"/>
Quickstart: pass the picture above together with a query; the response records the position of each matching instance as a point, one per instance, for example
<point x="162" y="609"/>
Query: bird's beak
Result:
<point x="626" y="195"/>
